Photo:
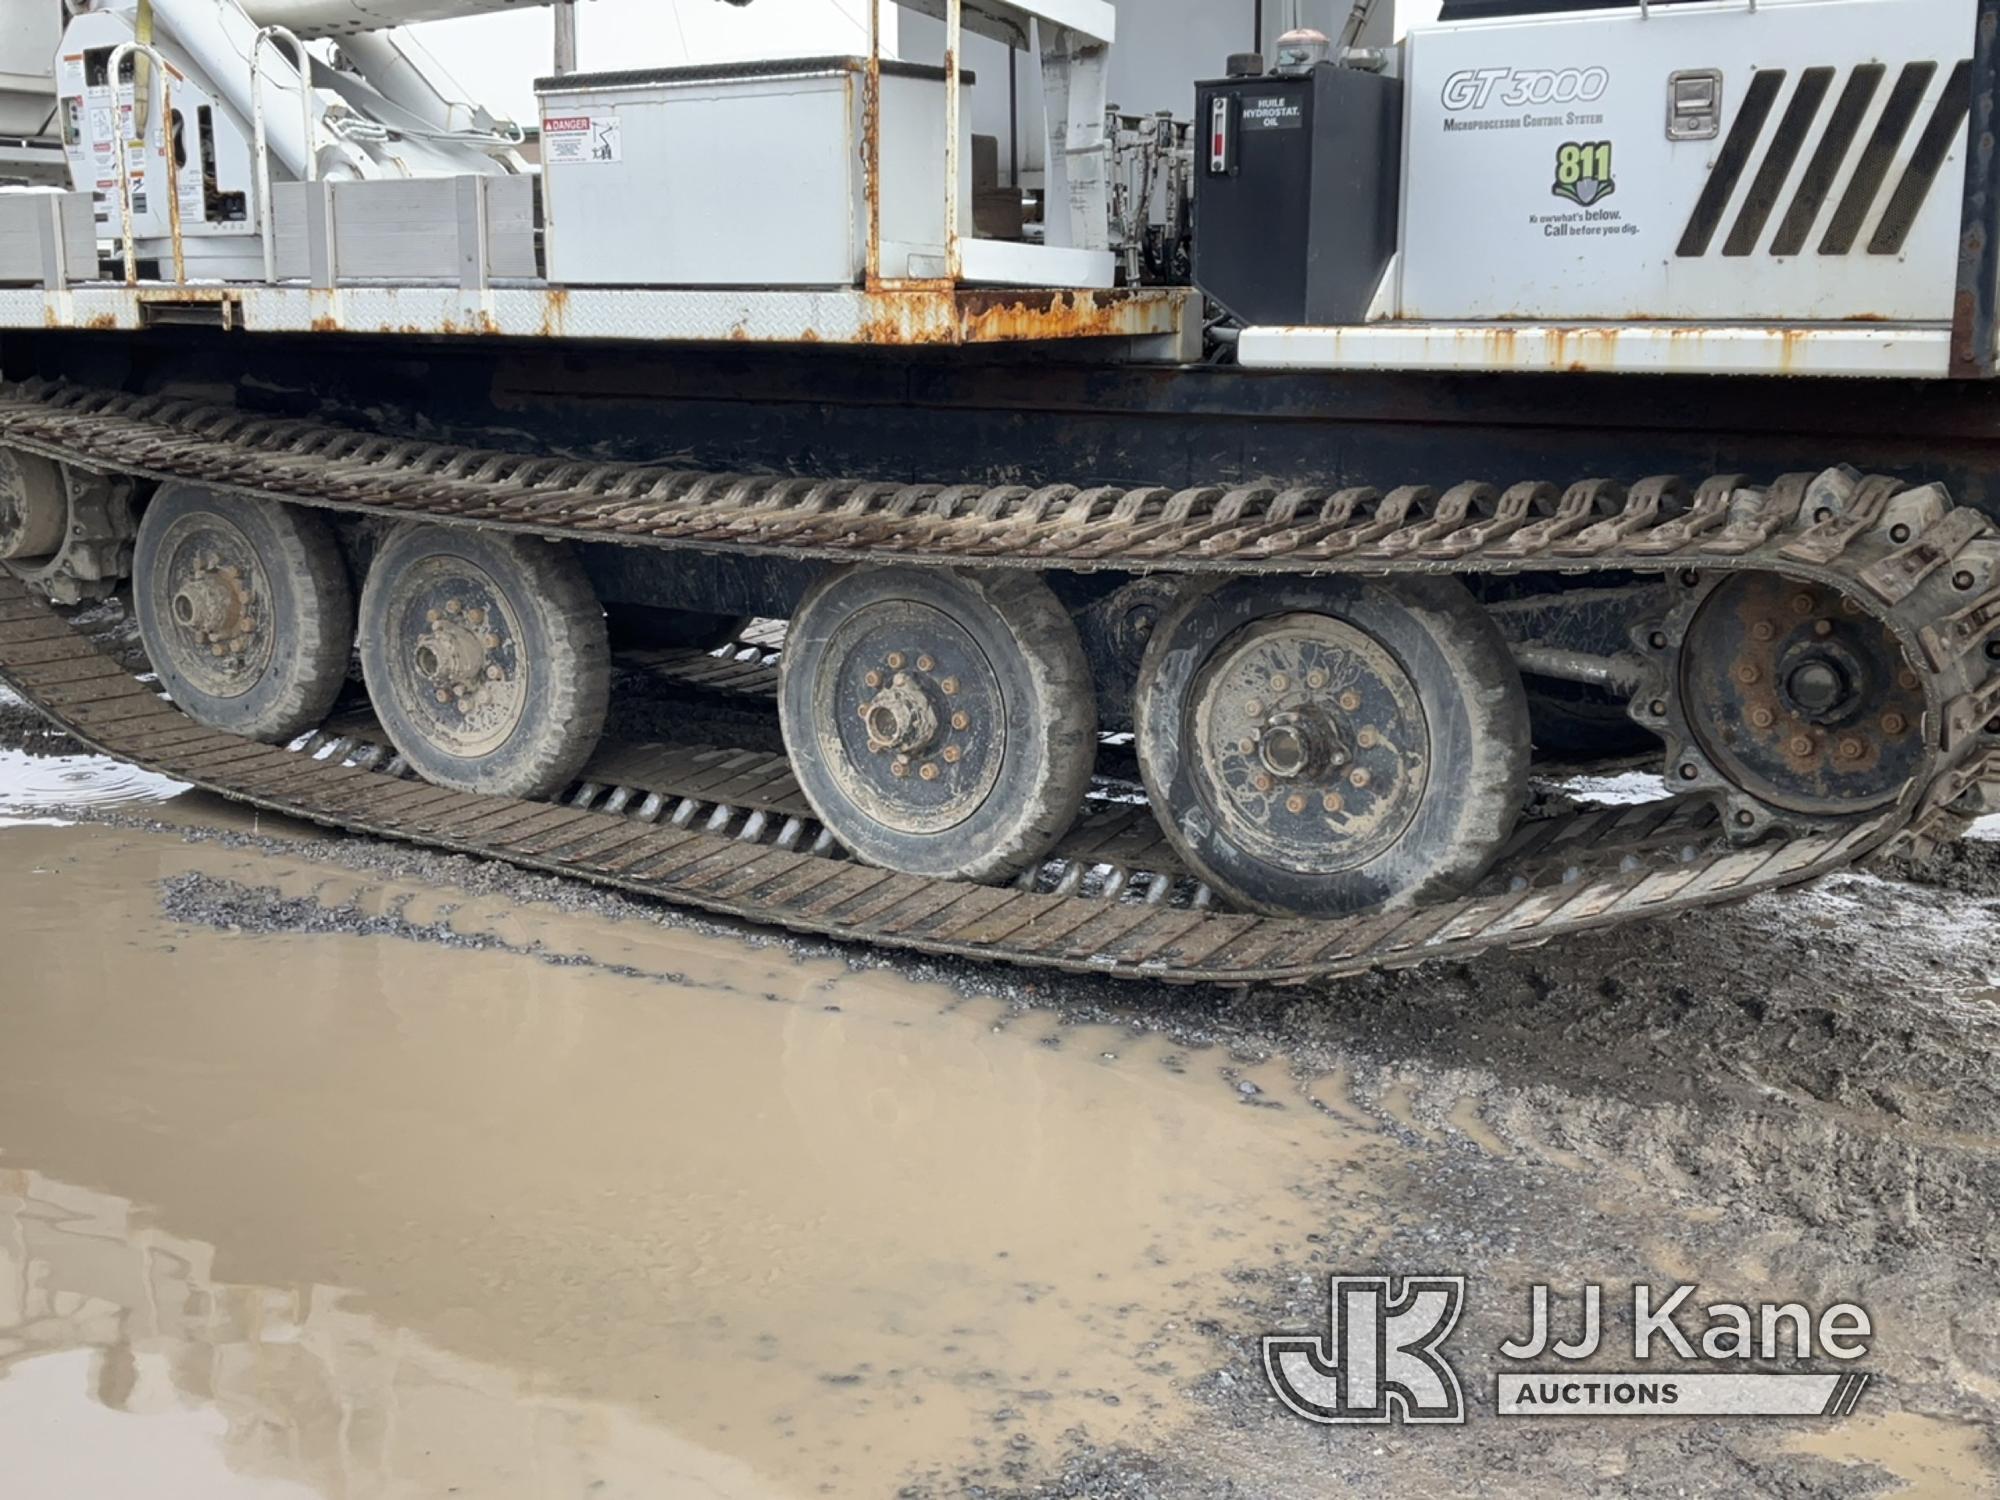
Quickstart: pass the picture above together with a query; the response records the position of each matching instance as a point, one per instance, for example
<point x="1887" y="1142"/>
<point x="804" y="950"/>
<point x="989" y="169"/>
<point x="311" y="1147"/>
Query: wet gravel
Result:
<point x="1793" y="1099"/>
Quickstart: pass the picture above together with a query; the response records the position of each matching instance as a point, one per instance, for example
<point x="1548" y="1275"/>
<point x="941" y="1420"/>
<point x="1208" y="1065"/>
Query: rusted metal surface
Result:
<point x="900" y="314"/>
<point x="1138" y="917"/>
<point x="1975" y="336"/>
<point x="1827" y="350"/>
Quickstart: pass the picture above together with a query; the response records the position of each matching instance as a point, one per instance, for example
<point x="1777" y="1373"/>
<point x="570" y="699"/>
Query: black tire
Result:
<point x="990" y="663"/>
<point x="1421" y="664"/>
<point x="525" y="685"/>
<point x="245" y="611"/>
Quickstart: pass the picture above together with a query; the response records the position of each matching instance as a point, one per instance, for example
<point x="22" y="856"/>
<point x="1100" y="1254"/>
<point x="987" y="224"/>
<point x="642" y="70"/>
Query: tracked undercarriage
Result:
<point x="1811" y="654"/>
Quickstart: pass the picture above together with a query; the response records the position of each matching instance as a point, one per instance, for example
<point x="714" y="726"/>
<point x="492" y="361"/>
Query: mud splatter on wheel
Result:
<point x="1321" y="746"/>
<point x="940" y="721"/>
<point x="245" y="610"/>
<point x="486" y="658"/>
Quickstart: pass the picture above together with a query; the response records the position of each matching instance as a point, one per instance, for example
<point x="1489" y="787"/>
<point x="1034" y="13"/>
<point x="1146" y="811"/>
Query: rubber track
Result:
<point x="1561" y="876"/>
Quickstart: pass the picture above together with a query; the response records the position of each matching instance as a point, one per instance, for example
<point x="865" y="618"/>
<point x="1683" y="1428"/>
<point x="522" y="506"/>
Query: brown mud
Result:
<point x="333" y="1168"/>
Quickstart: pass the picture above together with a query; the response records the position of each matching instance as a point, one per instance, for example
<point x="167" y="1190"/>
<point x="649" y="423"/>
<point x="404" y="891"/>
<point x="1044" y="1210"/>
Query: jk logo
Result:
<point x="1380" y="1359"/>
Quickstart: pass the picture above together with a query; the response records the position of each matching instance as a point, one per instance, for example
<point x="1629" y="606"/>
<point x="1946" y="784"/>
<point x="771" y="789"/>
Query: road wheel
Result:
<point x="486" y="659"/>
<point x="939" y="721"/>
<point x="1320" y="746"/>
<point x="245" y="610"/>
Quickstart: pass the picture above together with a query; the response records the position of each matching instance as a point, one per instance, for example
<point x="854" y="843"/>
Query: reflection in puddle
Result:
<point x="427" y="1217"/>
<point x="31" y="784"/>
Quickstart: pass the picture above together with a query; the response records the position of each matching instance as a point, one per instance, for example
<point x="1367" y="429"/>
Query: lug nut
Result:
<point x="1261" y="782"/>
<point x="961" y="721"/>
<point x="494" y="674"/>
<point x="1247" y="747"/>
<point x="899" y="768"/>
<point x="951" y="754"/>
<point x="1851" y="750"/>
<point x="1748" y="675"/>
<point x="1295" y="804"/>
<point x="1368" y="739"/>
<point x="1331" y="802"/>
<point x="925" y="664"/>
<point x="1907" y="680"/>
<point x="1281" y="683"/>
<point x="1822" y="628"/>
<point x="949" y="685"/>
<point x="1763" y="630"/>
<point x="1358" y="777"/>
<point x="895" y="660"/>
<point x="1801" y="745"/>
<point x="1763" y="718"/>
<point x="1350" y="702"/>
<point x="1315" y="680"/>
<point x="1254" y="708"/>
<point x="443" y="696"/>
<point x="873" y="679"/>
<point x="1802" y="604"/>
<point x="1894" y="723"/>
<point x="454" y="606"/>
<point x="929" y="772"/>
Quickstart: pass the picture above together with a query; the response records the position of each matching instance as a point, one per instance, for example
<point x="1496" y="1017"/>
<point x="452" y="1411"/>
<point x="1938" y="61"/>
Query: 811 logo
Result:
<point x="1380" y="1361"/>
<point x="1583" y="172"/>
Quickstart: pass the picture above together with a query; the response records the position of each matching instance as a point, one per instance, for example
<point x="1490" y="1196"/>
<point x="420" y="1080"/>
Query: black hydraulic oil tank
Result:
<point x="1296" y="193"/>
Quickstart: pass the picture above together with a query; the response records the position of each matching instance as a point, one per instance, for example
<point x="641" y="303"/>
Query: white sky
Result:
<point x="497" y="58"/>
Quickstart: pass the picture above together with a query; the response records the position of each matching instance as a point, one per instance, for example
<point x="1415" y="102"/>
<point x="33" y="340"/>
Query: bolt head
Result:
<point x="1763" y="718"/>
<point x="929" y="772"/>
<point x="874" y="680"/>
<point x="1358" y="777"/>
<point x="1262" y="782"/>
<point x="1254" y="708"/>
<point x="1763" y="630"/>
<point x="899" y="768"/>
<point x="952" y="754"/>
<point x="1315" y="680"/>
<point x="1295" y="804"/>
<point x="1281" y="683"/>
<point x="961" y="721"/>
<point x="1894" y="723"/>
<point x="1801" y="745"/>
<point x="949" y="686"/>
<point x="1350" y="703"/>
<point x="1747" y="675"/>
<point x="925" y="664"/>
<point x="1368" y="739"/>
<point x="1331" y="802"/>
<point x="1852" y="750"/>
<point x="896" y="661"/>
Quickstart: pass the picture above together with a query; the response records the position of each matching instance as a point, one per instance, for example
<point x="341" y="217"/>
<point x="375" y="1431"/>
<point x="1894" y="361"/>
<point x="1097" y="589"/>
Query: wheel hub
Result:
<point x="213" y="587"/>
<point x="462" y="675"/>
<point x="913" y="719"/>
<point x="1799" y="701"/>
<point x="1316" y="742"/>
<point x="902" y="718"/>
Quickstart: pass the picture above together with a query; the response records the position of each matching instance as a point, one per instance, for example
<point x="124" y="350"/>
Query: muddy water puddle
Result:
<point x="588" y="1208"/>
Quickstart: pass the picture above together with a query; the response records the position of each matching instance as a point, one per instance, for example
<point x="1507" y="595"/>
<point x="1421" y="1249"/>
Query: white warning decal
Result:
<point x="582" y="140"/>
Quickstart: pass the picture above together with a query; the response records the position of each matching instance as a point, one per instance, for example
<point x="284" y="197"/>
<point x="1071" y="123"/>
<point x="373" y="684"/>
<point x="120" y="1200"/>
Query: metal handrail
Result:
<point x="119" y="55"/>
<point x="266" y="223"/>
